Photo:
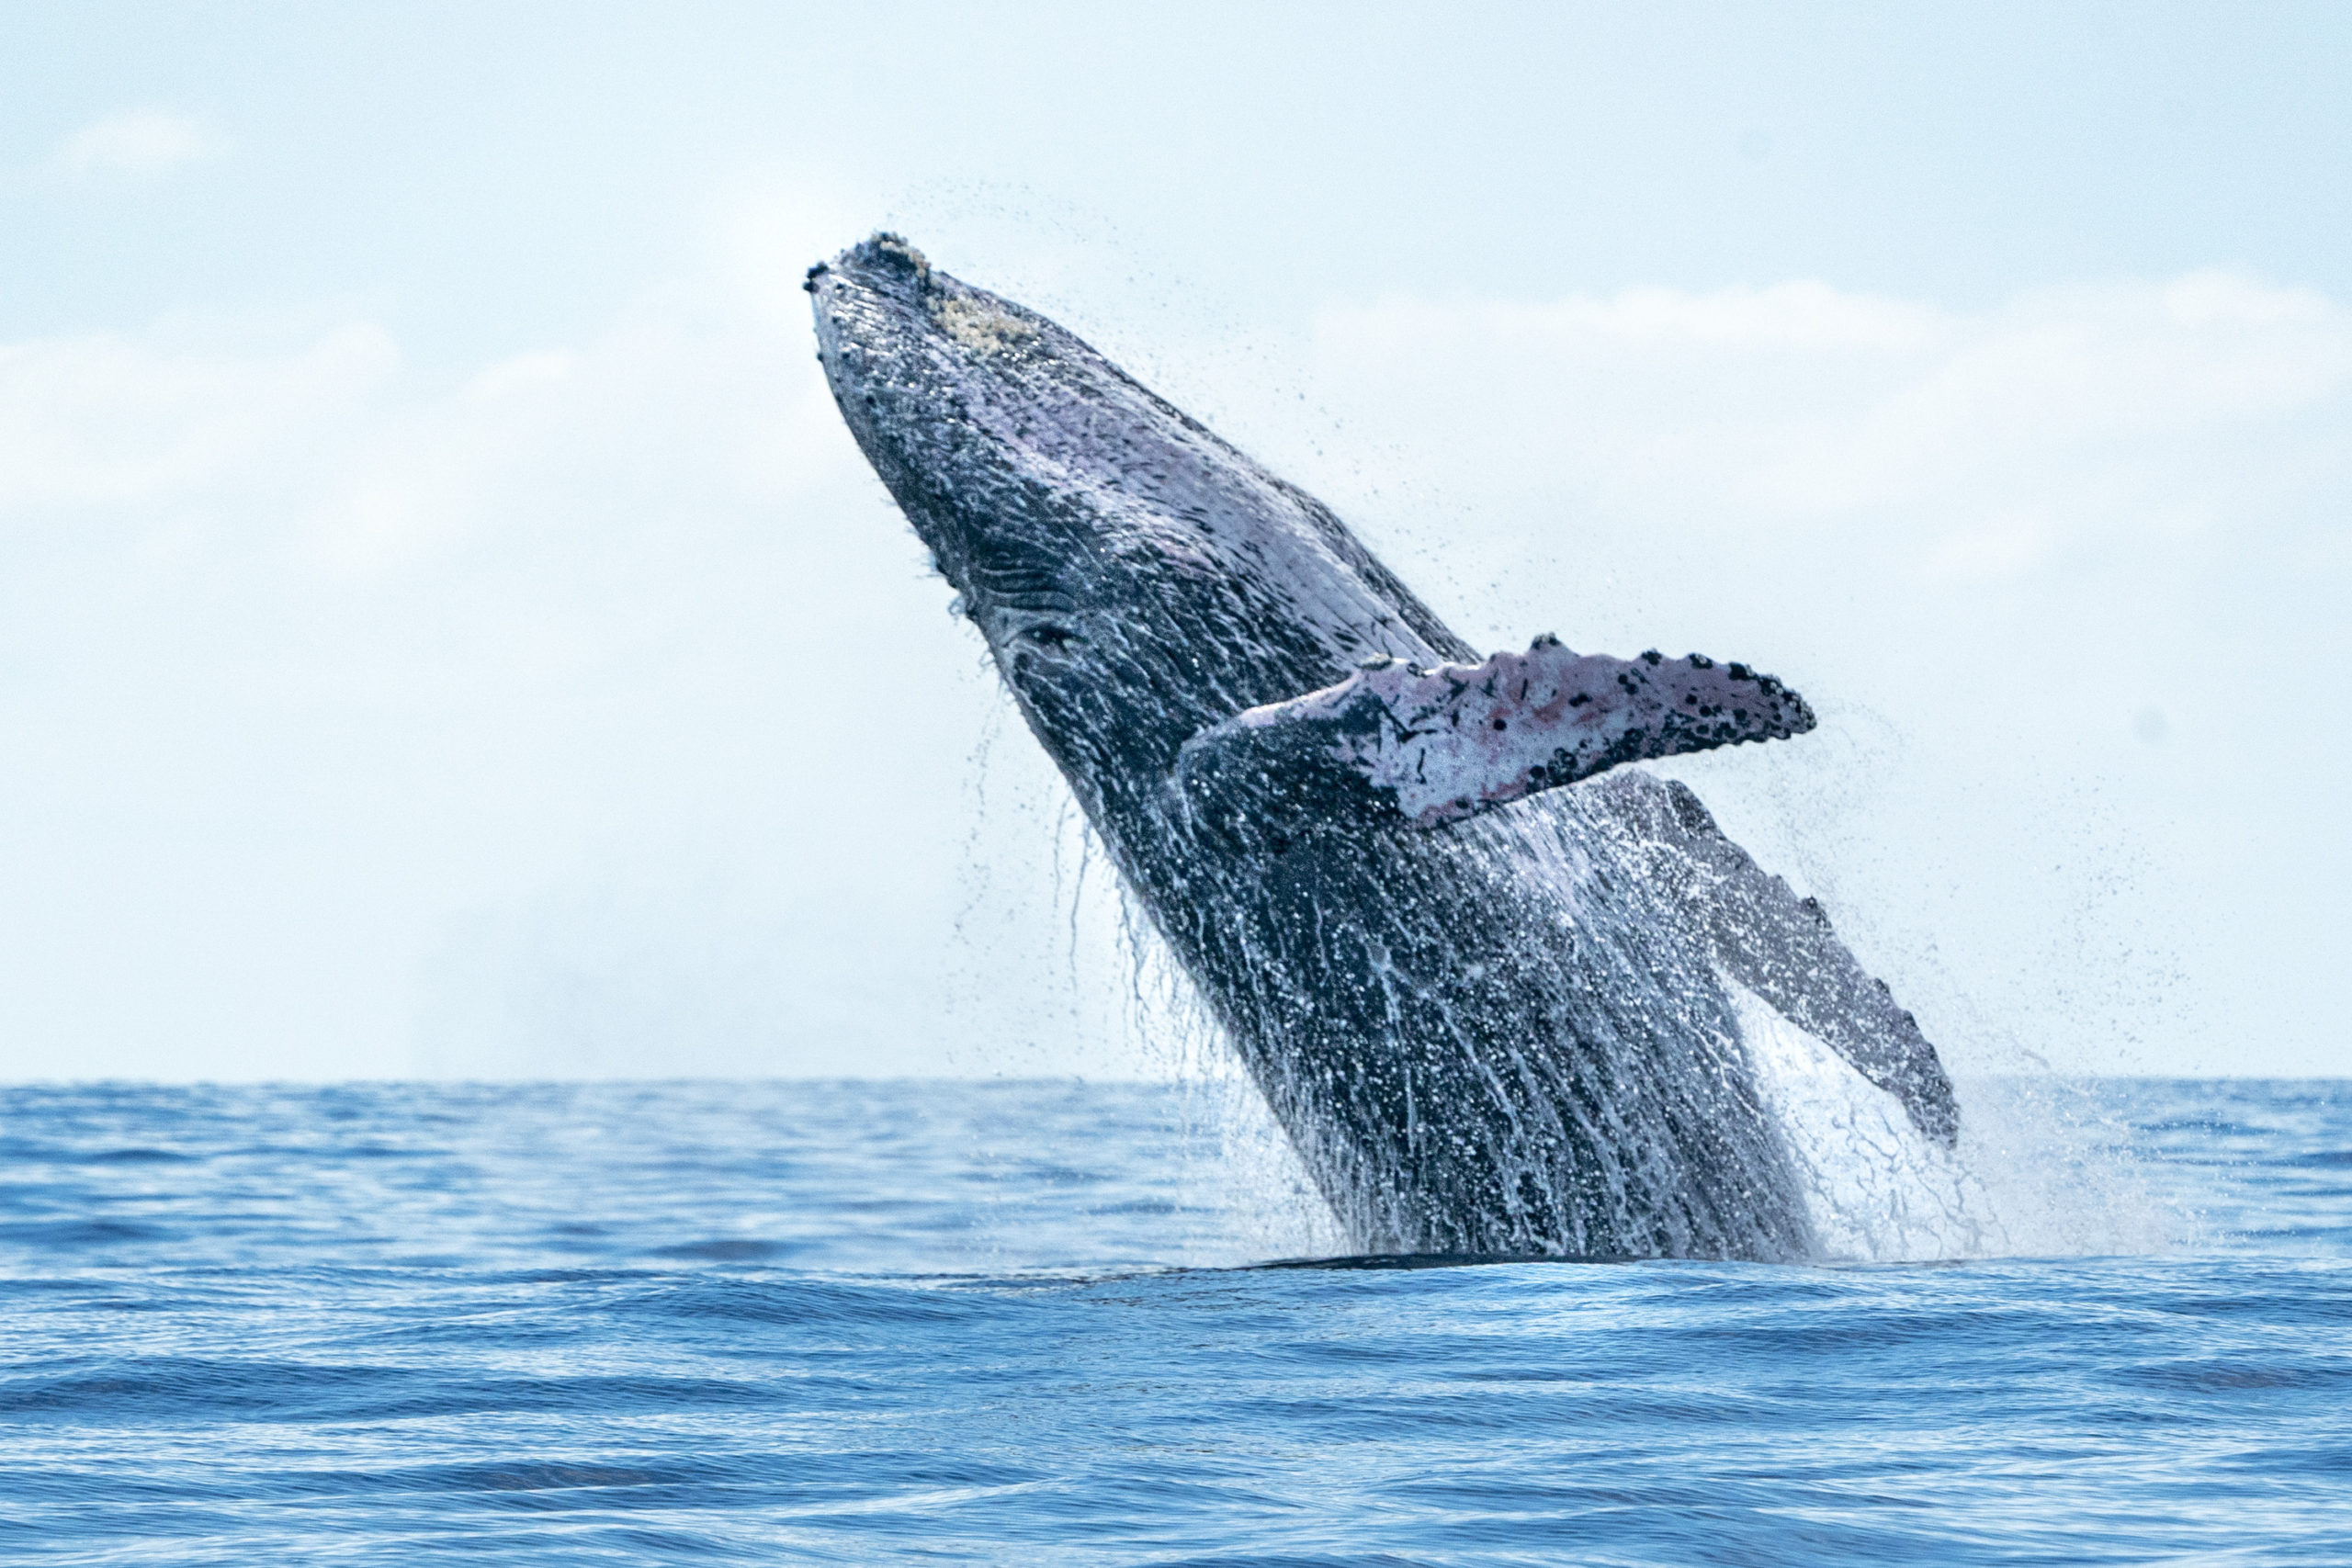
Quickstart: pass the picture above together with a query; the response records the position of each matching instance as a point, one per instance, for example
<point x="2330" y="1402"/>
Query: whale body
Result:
<point x="1489" y="977"/>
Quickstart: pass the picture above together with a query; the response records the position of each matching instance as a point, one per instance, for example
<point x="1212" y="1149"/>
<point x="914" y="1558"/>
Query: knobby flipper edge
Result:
<point x="1435" y="746"/>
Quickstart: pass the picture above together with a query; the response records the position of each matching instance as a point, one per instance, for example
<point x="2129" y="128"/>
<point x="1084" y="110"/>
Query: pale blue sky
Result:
<point x="444" y="626"/>
<point x="487" y="177"/>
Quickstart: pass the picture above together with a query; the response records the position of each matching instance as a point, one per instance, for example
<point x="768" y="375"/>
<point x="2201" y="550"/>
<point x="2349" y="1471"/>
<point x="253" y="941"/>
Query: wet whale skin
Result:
<point x="1509" y="1029"/>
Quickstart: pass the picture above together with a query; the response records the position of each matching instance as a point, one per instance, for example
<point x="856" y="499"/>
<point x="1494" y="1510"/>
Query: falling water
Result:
<point x="1584" y="1023"/>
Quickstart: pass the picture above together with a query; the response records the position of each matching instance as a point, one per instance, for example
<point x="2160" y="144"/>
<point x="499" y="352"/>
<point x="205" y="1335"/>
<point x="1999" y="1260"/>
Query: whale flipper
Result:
<point x="1436" y="746"/>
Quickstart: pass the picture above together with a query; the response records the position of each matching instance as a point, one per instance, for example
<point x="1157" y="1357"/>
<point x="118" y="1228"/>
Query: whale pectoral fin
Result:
<point x="1435" y="746"/>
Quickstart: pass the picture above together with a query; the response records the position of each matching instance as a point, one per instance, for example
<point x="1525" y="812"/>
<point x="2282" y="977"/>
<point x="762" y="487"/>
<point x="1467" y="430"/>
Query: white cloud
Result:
<point x="368" y="724"/>
<point x="112" y="420"/>
<point x="140" y="142"/>
<point x="590" y="710"/>
<point x="1800" y="315"/>
<point x="2088" y="410"/>
<point x="2011" y="530"/>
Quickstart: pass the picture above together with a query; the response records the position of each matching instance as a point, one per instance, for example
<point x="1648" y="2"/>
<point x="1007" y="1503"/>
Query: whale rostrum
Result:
<point x="1487" y="977"/>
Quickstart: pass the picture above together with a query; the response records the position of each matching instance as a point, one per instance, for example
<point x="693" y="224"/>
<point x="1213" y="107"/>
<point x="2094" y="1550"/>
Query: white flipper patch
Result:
<point x="1451" y="742"/>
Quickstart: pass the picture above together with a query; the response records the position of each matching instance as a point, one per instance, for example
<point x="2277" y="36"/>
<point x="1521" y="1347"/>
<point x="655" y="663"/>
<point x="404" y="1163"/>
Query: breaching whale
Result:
<point x="1484" y="974"/>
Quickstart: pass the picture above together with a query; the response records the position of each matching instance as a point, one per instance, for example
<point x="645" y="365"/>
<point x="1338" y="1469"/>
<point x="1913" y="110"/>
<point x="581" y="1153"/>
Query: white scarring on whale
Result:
<point x="1506" y="996"/>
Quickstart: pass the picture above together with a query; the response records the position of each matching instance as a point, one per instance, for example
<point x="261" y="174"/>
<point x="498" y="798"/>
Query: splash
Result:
<point x="1876" y="1189"/>
<point x="2036" y="1171"/>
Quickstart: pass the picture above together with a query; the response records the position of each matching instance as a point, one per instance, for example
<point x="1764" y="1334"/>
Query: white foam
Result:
<point x="2037" y="1172"/>
<point x="1877" y="1188"/>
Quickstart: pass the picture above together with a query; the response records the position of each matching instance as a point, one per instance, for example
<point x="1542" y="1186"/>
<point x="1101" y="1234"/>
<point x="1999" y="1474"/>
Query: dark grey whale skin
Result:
<point x="1511" y="1035"/>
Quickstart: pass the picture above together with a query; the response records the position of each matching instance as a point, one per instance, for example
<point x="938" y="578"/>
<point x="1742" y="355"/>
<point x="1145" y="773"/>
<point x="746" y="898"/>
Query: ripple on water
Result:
<point x="1006" y="1329"/>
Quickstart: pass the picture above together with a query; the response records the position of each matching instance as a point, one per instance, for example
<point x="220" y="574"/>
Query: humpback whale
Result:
<point x="1489" y="977"/>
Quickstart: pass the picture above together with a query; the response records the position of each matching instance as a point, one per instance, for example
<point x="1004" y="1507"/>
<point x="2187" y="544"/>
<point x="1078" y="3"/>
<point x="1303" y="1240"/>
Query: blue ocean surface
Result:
<point x="1027" y="1323"/>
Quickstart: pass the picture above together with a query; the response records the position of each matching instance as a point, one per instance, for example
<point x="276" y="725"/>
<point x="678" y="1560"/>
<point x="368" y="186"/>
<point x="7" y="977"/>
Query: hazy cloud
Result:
<point x="94" y="420"/>
<point x="372" y="726"/>
<point x="592" y="710"/>
<point x="2149" y="409"/>
<point x="2012" y="531"/>
<point x="142" y="141"/>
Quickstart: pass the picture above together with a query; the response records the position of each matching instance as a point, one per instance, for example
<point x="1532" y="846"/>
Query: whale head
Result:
<point x="1136" y="578"/>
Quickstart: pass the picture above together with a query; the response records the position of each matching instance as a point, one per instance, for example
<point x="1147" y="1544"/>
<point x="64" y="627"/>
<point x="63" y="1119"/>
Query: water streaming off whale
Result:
<point x="1504" y="994"/>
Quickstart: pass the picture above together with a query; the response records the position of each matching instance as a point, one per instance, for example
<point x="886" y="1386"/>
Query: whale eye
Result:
<point x="1051" y="638"/>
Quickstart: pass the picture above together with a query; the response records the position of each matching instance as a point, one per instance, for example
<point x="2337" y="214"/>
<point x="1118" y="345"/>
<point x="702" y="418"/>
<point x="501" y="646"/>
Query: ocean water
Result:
<point x="1029" y="1323"/>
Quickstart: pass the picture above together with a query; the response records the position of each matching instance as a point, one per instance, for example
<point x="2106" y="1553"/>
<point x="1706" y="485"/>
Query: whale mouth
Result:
<point x="1385" y="1262"/>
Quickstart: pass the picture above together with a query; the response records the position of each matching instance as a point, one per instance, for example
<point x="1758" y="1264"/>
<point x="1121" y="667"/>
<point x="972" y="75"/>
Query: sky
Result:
<point x="444" y="630"/>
